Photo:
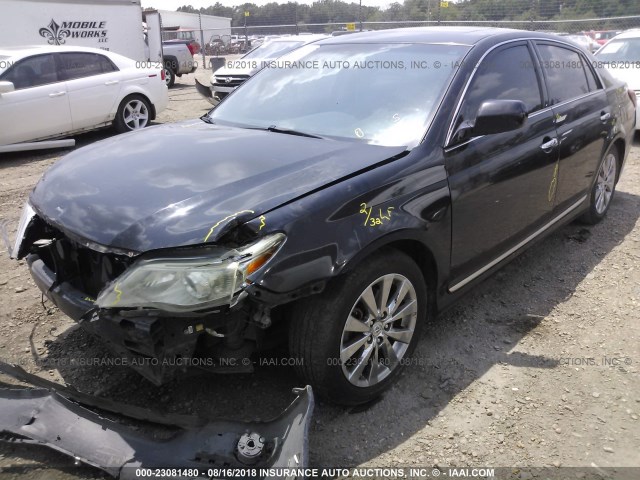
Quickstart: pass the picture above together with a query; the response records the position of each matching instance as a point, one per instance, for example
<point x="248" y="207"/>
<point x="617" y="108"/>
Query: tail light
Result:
<point x="192" y="48"/>
<point x="162" y="75"/>
<point x="632" y="96"/>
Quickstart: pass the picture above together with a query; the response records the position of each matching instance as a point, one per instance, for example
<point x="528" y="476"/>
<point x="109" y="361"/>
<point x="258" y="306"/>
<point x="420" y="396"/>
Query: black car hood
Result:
<point x="170" y="185"/>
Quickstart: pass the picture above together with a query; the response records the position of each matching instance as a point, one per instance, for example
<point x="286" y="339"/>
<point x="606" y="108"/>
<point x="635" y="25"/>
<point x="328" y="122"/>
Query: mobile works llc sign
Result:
<point x="57" y="33"/>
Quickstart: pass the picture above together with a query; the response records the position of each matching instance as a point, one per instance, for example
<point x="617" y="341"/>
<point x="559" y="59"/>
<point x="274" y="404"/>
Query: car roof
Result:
<point x="451" y="35"/>
<point x="25" y="51"/>
<point x="634" y="33"/>
<point x="299" y="38"/>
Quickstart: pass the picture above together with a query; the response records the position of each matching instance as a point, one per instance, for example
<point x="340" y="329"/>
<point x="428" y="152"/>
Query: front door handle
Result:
<point x="604" y="116"/>
<point x="549" y="144"/>
<point x="111" y="82"/>
<point x="57" y="94"/>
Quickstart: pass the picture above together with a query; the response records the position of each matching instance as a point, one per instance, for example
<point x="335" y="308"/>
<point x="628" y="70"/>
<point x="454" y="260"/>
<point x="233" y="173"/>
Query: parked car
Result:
<point x="602" y="36"/>
<point x="227" y="78"/>
<point x="178" y="59"/>
<point x="585" y="41"/>
<point x="327" y="207"/>
<point x="621" y="57"/>
<point x="57" y="91"/>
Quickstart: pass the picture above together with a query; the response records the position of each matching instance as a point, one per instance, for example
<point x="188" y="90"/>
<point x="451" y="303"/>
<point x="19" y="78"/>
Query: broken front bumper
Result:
<point x="159" y="347"/>
<point x="56" y="416"/>
<point x="206" y="92"/>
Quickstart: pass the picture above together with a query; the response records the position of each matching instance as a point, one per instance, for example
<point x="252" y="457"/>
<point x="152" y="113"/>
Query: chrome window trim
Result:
<point x="521" y="244"/>
<point x="475" y="69"/>
<point x="471" y="77"/>
<point x="565" y="102"/>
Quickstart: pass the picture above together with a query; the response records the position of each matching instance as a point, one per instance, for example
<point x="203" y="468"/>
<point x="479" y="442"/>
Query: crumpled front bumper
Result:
<point x="158" y="347"/>
<point x="206" y="92"/>
<point x="57" y="417"/>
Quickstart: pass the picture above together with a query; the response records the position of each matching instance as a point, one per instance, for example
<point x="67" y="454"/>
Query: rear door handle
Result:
<point x="57" y="94"/>
<point x="604" y="116"/>
<point x="550" y="144"/>
<point x="112" y="82"/>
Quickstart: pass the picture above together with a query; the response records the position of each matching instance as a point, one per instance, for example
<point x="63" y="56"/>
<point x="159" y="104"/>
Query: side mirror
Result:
<point x="6" y="87"/>
<point x="498" y="116"/>
<point x="494" y="116"/>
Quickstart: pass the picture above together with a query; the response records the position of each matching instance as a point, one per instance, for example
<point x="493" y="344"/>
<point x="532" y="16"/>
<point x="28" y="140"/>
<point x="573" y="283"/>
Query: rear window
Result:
<point x="82" y="64"/>
<point x="564" y="69"/>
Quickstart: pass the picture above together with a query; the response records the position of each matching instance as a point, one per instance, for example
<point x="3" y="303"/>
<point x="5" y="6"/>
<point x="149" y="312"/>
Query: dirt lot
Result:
<point x="539" y="366"/>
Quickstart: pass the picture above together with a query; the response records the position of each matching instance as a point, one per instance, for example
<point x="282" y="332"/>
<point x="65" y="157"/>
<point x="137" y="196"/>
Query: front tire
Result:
<point x="603" y="189"/>
<point x="351" y="341"/>
<point x="133" y="113"/>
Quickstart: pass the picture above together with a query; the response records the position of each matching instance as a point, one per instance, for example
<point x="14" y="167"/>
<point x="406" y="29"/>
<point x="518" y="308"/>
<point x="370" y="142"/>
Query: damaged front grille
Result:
<point x="87" y="270"/>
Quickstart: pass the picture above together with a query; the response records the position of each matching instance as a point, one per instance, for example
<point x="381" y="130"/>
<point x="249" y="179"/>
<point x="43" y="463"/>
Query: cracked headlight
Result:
<point x="182" y="284"/>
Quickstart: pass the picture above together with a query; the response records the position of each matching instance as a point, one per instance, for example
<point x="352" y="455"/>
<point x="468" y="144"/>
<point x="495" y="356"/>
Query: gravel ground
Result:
<point x="538" y="366"/>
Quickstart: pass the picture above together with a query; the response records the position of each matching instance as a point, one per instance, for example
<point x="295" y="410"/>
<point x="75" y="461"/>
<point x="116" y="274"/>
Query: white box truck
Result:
<point x="113" y="25"/>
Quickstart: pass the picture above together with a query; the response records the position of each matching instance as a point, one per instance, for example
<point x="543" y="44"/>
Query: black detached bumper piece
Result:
<point x="54" y="416"/>
<point x="203" y="90"/>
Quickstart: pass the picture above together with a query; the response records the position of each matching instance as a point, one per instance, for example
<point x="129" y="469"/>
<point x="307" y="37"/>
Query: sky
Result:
<point x="174" y="4"/>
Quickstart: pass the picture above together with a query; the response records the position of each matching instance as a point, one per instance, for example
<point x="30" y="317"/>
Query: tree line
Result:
<point x="328" y="11"/>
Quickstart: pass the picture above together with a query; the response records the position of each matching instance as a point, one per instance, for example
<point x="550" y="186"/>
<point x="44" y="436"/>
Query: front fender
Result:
<point x="331" y="231"/>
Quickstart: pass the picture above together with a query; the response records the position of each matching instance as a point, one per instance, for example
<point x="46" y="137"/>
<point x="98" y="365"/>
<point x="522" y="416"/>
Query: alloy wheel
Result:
<point x="135" y="114"/>
<point x="605" y="183"/>
<point x="378" y="330"/>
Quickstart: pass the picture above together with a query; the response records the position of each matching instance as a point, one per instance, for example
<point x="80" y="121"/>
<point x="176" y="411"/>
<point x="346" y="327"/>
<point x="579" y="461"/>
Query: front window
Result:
<point x="32" y="72"/>
<point x="384" y="94"/>
<point x="506" y="74"/>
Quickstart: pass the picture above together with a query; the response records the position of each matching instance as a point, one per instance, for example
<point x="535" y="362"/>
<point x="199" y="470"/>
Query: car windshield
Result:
<point x="623" y="49"/>
<point x="274" y="49"/>
<point x="383" y="94"/>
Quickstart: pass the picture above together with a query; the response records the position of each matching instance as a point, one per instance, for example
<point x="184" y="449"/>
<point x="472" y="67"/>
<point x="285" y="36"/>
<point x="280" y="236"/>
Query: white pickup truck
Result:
<point x="178" y="59"/>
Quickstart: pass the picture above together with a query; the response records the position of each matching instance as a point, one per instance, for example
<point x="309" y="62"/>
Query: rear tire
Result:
<point x="603" y="189"/>
<point x="134" y="113"/>
<point x="349" y="343"/>
<point x="169" y="76"/>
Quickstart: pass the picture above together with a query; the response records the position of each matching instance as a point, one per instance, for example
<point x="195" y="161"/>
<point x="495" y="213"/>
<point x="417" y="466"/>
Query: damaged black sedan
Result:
<point x="335" y="201"/>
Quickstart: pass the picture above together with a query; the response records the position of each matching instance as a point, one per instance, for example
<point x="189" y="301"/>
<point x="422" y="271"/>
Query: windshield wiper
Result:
<point x="288" y="131"/>
<point x="207" y="119"/>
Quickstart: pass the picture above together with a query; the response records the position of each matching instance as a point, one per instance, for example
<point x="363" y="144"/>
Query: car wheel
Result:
<point x="169" y="76"/>
<point x="133" y="113"/>
<point x="603" y="188"/>
<point x="350" y="342"/>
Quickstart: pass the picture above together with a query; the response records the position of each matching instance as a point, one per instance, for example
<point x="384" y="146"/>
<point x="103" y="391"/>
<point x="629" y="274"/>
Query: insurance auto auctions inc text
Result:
<point x="374" y="473"/>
